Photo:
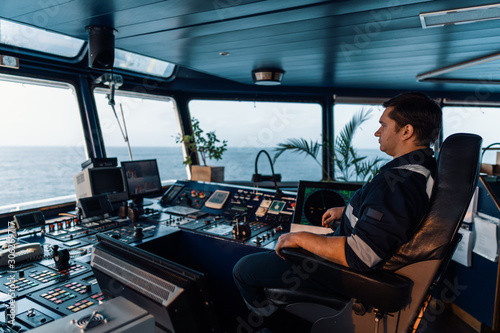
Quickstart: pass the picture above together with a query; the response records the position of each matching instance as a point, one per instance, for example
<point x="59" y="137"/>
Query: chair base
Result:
<point x="344" y="319"/>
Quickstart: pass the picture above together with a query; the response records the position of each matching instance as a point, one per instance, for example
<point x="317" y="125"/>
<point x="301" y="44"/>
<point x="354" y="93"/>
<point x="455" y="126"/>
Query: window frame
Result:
<point x="58" y="201"/>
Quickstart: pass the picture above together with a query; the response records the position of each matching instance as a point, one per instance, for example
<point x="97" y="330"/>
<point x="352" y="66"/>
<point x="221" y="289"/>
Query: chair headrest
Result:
<point x="457" y="174"/>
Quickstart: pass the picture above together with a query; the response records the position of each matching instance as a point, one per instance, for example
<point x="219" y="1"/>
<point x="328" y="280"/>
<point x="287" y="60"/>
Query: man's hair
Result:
<point x="418" y="110"/>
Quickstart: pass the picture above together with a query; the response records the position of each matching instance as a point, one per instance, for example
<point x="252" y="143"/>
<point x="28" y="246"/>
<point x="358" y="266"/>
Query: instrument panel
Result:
<point x="46" y="290"/>
<point x="244" y="213"/>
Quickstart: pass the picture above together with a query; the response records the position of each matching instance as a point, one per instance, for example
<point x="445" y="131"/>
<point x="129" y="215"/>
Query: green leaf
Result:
<point x="205" y="145"/>
<point x="346" y="159"/>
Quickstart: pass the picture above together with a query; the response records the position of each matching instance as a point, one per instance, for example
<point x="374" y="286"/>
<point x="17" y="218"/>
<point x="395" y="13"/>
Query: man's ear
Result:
<point x="408" y="132"/>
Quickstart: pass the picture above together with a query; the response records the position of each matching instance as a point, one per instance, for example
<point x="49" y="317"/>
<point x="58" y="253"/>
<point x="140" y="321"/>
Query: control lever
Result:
<point x="61" y="257"/>
<point x="241" y="230"/>
<point x="138" y="232"/>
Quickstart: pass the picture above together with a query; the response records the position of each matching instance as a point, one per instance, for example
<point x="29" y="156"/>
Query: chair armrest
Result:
<point x="385" y="291"/>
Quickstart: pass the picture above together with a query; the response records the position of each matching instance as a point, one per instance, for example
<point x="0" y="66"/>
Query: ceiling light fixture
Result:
<point x="267" y="77"/>
<point x="460" y="16"/>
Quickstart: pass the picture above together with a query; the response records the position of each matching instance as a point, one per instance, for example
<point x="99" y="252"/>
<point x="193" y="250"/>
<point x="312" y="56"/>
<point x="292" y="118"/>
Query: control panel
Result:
<point x="231" y="212"/>
<point x="190" y="197"/>
<point x="56" y="280"/>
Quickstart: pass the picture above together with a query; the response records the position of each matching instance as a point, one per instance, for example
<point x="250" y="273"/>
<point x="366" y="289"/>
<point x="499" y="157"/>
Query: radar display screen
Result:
<point x="315" y="198"/>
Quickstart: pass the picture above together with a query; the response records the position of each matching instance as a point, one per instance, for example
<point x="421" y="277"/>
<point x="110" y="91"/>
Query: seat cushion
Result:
<point x="282" y="297"/>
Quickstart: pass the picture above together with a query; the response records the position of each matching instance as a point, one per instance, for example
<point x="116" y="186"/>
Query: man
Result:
<point x="380" y="217"/>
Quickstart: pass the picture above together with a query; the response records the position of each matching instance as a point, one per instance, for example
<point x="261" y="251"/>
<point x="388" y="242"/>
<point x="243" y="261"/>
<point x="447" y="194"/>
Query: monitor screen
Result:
<point x="97" y="205"/>
<point x="315" y="198"/>
<point x="143" y="179"/>
<point x="109" y="181"/>
<point x="171" y="194"/>
<point x="29" y="220"/>
<point x="175" y="295"/>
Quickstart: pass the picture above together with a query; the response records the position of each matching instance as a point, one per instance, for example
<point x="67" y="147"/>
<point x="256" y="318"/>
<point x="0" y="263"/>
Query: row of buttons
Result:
<point x="47" y="275"/>
<point x="20" y="284"/>
<point x="254" y="225"/>
<point x="85" y="303"/>
<point x="58" y="295"/>
<point x="78" y="287"/>
<point x="80" y="305"/>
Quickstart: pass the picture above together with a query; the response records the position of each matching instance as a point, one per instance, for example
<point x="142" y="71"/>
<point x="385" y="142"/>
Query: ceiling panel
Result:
<point x="318" y="43"/>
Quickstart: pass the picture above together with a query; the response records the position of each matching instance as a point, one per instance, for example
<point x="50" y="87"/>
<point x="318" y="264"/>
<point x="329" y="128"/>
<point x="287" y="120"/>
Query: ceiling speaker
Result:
<point x="101" y="47"/>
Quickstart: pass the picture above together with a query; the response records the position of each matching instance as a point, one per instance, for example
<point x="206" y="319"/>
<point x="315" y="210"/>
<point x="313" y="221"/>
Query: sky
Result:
<point x="26" y="107"/>
<point x="48" y="116"/>
<point x="38" y="116"/>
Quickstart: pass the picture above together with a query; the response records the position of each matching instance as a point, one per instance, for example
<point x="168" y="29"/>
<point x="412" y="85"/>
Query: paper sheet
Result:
<point x="295" y="227"/>
<point x="486" y="242"/>
<point x="463" y="253"/>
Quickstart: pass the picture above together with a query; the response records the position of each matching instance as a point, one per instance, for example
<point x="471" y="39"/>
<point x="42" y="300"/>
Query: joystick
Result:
<point x="138" y="233"/>
<point x="241" y="230"/>
<point x="61" y="257"/>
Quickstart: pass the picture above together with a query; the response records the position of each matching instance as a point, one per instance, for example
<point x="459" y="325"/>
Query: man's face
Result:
<point x="388" y="134"/>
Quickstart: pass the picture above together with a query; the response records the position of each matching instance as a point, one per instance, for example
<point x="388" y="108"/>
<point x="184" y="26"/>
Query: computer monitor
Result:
<point x="175" y="295"/>
<point x="143" y="180"/>
<point x="315" y="198"/>
<point x="101" y="180"/>
<point x="97" y="205"/>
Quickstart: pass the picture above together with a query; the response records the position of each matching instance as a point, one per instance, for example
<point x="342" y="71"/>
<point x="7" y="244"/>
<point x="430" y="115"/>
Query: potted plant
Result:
<point x="209" y="147"/>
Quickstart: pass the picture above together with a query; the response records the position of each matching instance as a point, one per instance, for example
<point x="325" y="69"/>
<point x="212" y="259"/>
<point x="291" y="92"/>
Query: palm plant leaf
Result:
<point x="300" y="146"/>
<point x="343" y="143"/>
<point x="348" y="163"/>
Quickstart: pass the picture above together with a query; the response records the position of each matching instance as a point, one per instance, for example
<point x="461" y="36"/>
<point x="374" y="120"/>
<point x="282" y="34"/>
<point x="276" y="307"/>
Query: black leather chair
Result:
<point x="393" y="298"/>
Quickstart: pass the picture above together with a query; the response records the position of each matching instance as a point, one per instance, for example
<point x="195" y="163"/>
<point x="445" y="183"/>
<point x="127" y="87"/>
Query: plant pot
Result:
<point x="207" y="173"/>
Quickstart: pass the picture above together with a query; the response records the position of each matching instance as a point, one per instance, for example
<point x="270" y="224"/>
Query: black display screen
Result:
<point x="107" y="181"/>
<point x="143" y="178"/>
<point x="171" y="194"/>
<point x="315" y="198"/>
<point x="95" y="206"/>
<point x="29" y="220"/>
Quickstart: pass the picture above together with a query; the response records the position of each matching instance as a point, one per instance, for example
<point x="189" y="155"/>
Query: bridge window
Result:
<point x="142" y="64"/>
<point x="364" y="142"/>
<point x="27" y="37"/>
<point x="152" y="126"/>
<point x="479" y="120"/>
<point x="252" y="126"/>
<point x="41" y="143"/>
<point x="35" y="39"/>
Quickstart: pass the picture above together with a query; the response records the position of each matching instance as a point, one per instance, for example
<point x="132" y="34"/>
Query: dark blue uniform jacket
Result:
<point x="383" y="214"/>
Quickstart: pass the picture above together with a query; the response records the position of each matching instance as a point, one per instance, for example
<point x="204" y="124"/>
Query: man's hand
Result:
<point x="331" y="215"/>
<point x="287" y="240"/>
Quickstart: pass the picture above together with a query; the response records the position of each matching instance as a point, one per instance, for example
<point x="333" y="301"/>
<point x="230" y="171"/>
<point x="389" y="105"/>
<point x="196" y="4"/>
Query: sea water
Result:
<point x="36" y="173"/>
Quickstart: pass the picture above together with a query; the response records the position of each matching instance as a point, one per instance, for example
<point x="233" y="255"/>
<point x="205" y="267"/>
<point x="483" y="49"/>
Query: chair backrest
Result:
<point x="457" y="174"/>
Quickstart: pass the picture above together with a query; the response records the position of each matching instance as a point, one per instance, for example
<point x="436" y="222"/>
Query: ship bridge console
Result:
<point x="194" y="227"/>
